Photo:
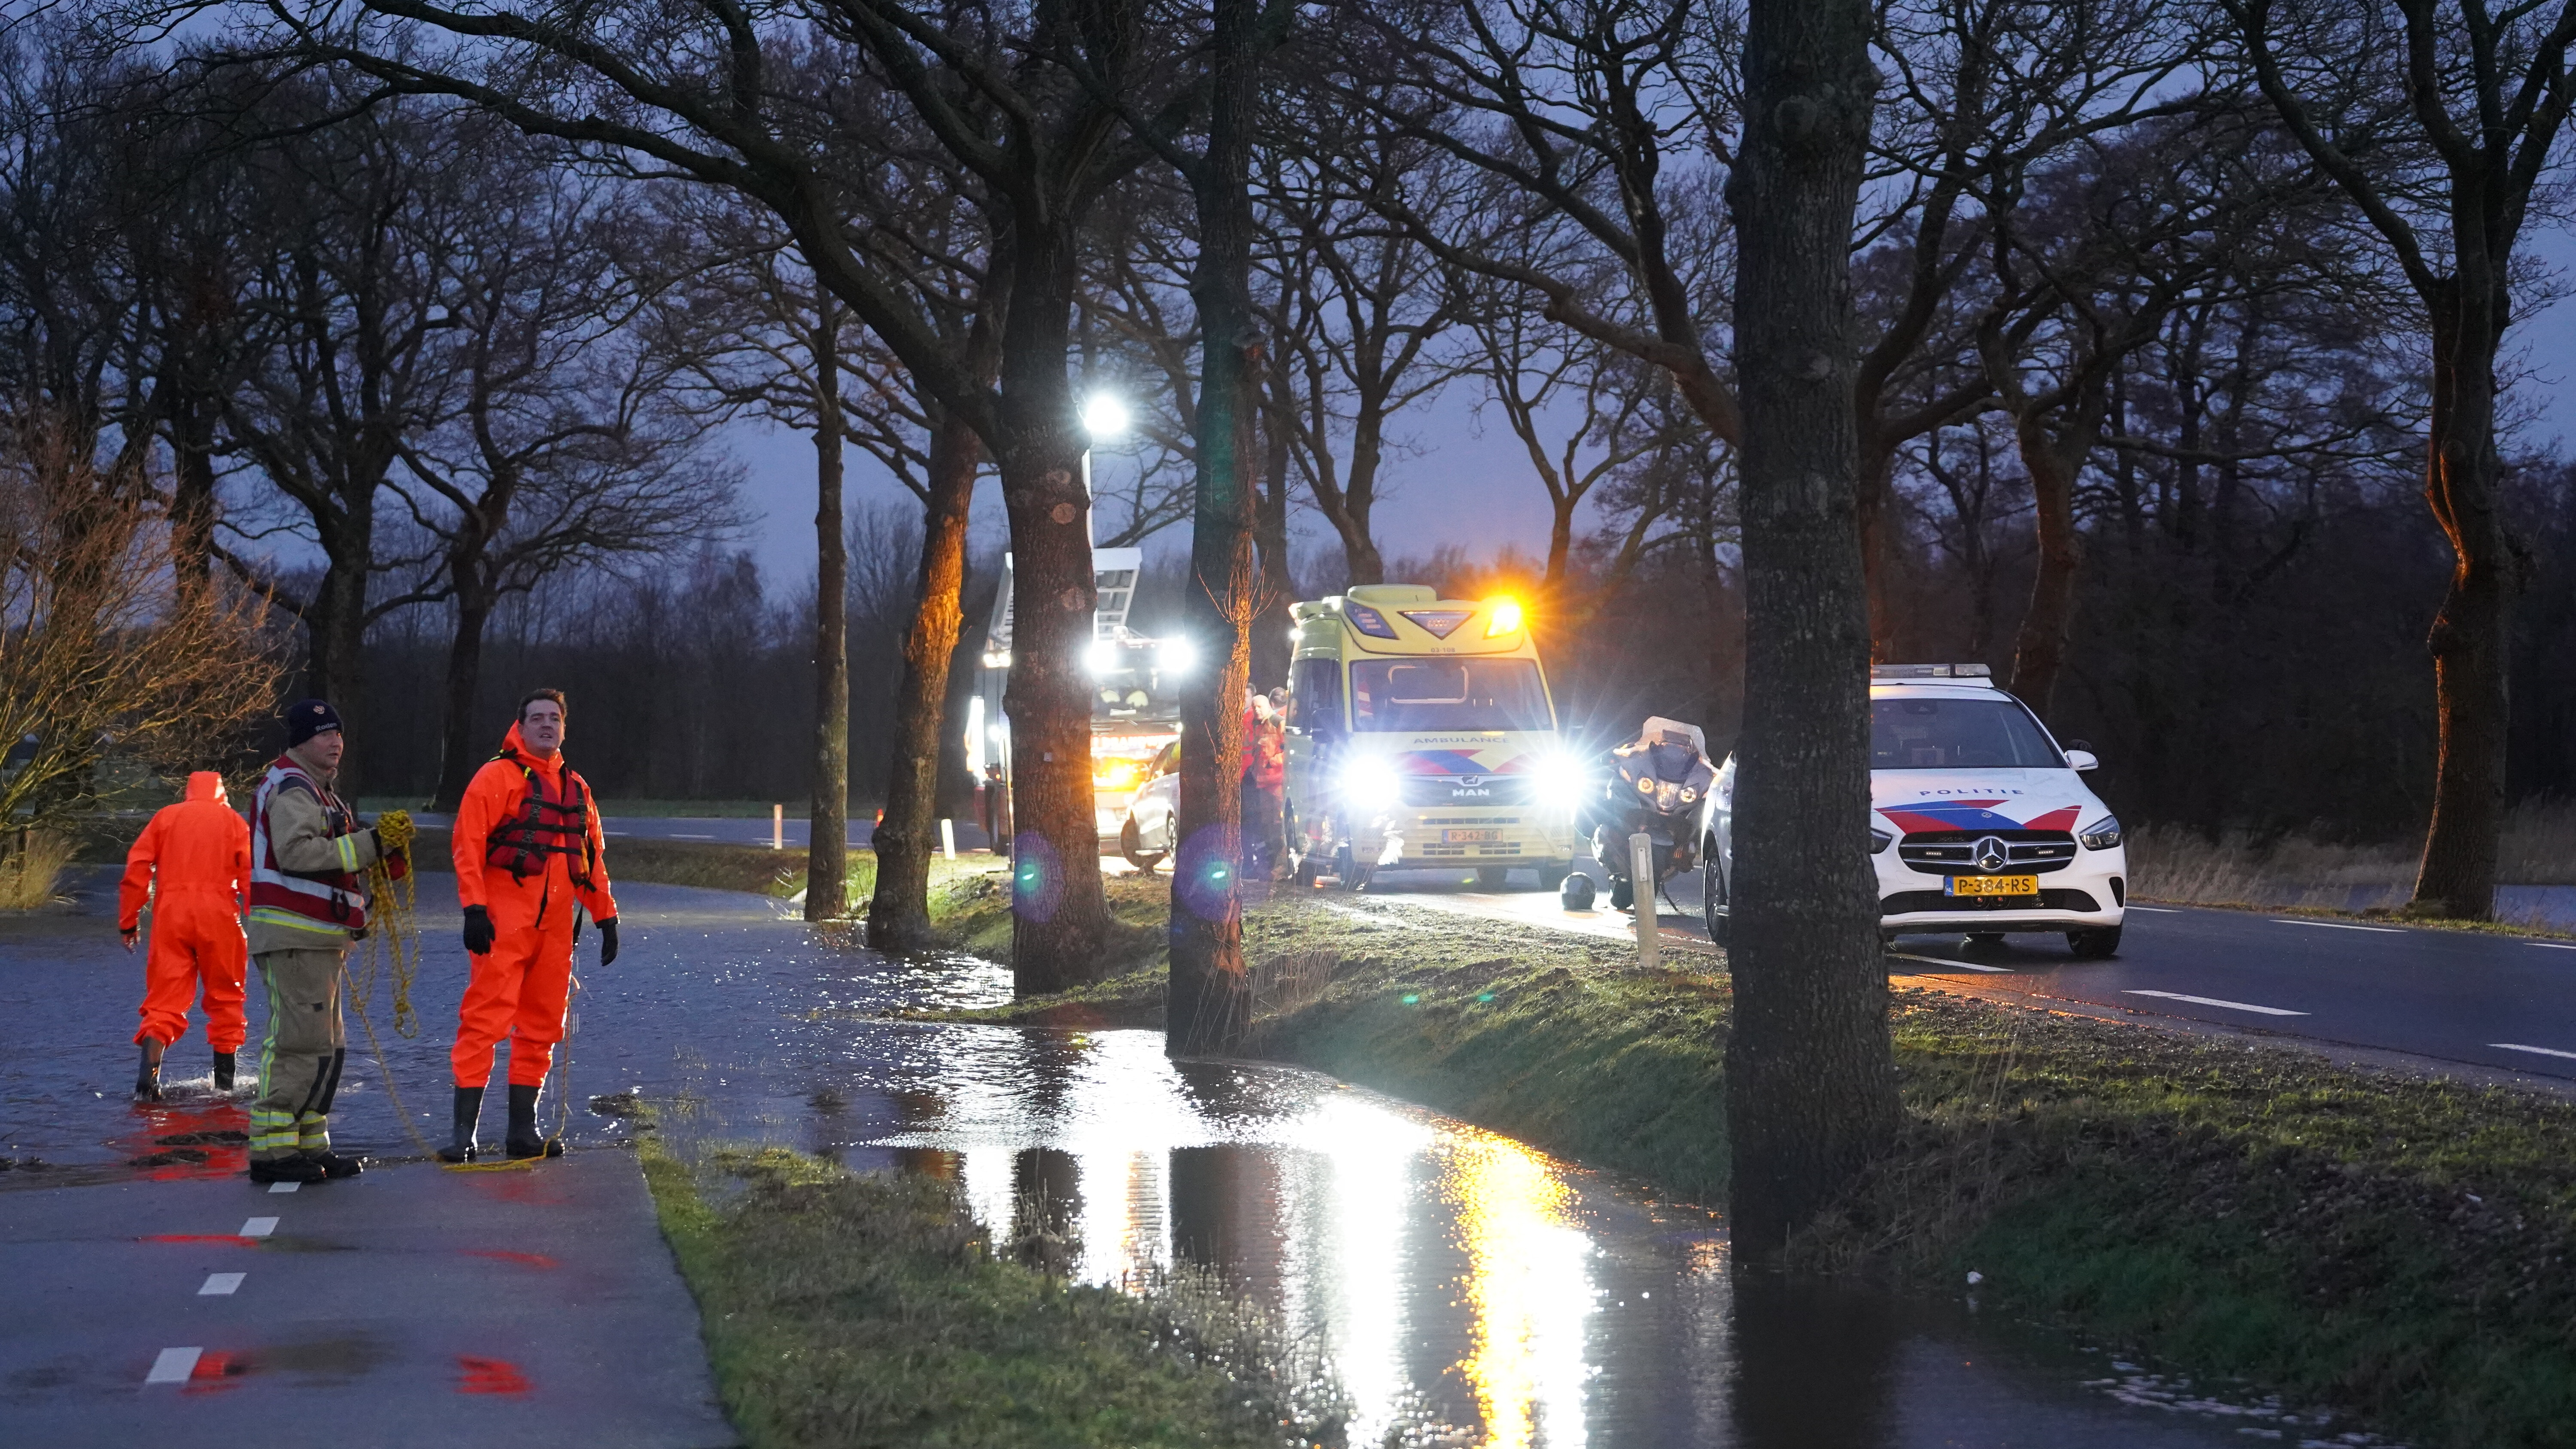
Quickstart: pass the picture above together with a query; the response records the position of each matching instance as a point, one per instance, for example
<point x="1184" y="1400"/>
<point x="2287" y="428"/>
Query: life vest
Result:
<point x="333" y="898"/>
<point x="546" y="825"/>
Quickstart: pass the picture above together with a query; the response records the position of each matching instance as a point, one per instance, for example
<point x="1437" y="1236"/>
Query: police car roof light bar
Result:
<point x="1930" y="671"/>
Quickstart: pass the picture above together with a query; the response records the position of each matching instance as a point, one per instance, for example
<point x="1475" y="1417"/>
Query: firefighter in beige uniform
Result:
<point x="308" y="901"/>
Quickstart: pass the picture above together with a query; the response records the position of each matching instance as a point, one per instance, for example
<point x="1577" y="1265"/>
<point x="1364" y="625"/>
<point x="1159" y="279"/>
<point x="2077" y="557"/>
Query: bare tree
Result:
<point x="749" y="326"/>
<point x="369" y="219"/>
<point x="2442" y="124"/>
<point x="703" y="90"/>
<point x="564" y="445"/>
<point x="101" y="652"/>
<point x="1584" y="413"/>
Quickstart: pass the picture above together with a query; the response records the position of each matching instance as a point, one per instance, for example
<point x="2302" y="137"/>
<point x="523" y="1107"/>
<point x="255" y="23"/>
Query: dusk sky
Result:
<point x="1470" y="484"/>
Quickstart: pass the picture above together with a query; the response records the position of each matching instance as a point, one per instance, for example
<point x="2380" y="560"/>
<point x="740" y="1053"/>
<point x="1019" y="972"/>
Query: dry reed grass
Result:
<point x="31" y="865"/>
<point x="2171" y="864"/>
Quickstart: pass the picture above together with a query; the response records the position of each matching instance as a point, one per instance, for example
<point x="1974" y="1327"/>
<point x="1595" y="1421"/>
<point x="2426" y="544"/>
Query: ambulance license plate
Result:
<point x="1468" y="837"/>
<point x="1994" y="885"/>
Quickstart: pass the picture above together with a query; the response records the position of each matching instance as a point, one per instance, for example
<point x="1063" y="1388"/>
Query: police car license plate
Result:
<point x="1468" y="837"/>
<point x="1994" y="885"/>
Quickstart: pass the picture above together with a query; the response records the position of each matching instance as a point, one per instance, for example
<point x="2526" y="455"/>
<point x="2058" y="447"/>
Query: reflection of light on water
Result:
<point x="990" y="1194"/>
<point x="1126" y="1220"/>
<point x="1367" y="1155"/>
<point x="1526" y="1287"/>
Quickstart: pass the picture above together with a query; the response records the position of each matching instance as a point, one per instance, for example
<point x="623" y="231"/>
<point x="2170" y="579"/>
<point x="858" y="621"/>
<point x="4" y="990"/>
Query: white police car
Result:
<point x="1979" y="823"/>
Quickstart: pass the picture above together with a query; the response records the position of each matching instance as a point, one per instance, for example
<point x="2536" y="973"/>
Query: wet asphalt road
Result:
<point x="2506" y="1003"/>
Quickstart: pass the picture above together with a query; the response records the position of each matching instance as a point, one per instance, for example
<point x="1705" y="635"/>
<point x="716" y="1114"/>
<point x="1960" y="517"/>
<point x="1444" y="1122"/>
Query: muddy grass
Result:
<point x="2393" y="1246"/>
<point x="848" y="1310"/>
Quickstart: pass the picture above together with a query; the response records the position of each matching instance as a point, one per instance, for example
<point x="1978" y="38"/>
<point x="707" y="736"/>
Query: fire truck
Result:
<point x="1135" y="681"/>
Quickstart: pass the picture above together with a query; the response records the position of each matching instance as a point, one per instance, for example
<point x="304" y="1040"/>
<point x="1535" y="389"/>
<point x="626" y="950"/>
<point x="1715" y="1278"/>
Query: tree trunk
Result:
<point x="2039" y="653"/>
<point x="1876" y="509"/>
<point x="458" y="757"/>
<point x="192" y="496"/>
<point x="899" y="912"/>
<point x="2469" y="636"/>
<point x="827" y="853"/>
<point x="1270" y="649"/>
<point x="1060" y="917"/>
<point x="1811" y="1086"/>
<point x="1210" y="1001"/>
<point x="335" y="633"/>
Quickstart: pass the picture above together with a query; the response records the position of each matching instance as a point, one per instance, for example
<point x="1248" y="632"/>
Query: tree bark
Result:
<point x="457" y="756"/>
<point x="1210" y="1001"/>
<point x="1811" y="1087"/>
<point x="827" y="854"/>
<point x="1059" y="914"/>
<point x="899" y="911"/>
<point x="1270" y="649"/>
<point x="192" y="495"/>
<point x="2039" y="651"/>
<point x="2469" y="636"/>
<point x="335" y="631"/>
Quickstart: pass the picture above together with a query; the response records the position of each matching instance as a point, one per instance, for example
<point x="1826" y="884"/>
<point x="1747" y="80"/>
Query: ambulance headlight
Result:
<point x="1560" y="781"/>
<point x="1369" y="783"/>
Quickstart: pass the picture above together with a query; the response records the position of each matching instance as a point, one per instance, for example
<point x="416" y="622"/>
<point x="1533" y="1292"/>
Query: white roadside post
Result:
<point x="1641" y="877"/>
<point x="948" y="838"/>
<point x="778" y="827"/>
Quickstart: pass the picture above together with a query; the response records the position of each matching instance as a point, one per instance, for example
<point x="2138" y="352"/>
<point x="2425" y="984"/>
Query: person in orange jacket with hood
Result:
<point x="193" y="864"/>
<point x="528" y="854"/>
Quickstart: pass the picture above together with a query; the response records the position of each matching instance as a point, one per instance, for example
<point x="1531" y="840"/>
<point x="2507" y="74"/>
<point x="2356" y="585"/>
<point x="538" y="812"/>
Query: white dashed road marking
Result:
<point x="2214" y="1001"/>
<point x="676" y="836"/>
<point x="1946" y="963"/>
<point x="284" y="1186"/>
<point x="2551" y="945"/>
<point x="221" y="1285"/>
<point x="258" y="1227"/>
<point x="2157" y="910"/>
<point x="2339" y="926"/>
<point x="2515" y="1046"/>
<point x="173" y="1366"/>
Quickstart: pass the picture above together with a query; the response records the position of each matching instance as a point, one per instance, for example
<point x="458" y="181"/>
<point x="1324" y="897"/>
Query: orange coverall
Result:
<point x="518" y="990"/>
<point x="193" y="862"/>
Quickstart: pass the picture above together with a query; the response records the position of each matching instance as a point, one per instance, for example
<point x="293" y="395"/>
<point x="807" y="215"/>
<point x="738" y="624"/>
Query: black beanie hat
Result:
<point x="309" y="717"/>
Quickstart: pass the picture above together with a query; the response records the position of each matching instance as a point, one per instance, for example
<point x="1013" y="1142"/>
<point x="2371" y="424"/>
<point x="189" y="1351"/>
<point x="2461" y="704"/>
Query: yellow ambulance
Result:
<point x="1421" y="736"/>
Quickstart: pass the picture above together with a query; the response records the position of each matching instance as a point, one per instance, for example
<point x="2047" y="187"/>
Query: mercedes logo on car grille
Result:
<point x="1991" y="854"/>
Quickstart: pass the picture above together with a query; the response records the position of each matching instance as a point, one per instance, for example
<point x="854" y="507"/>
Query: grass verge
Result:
<point x="754" y="868"/>
<point x="2391" y="1246"/>
<point x="850" y="1310"/>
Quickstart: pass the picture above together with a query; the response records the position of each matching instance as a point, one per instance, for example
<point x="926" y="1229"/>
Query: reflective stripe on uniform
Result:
<point x="313" y="1132"/>
<point x="272" y="916"/>
<point x="273" y="1132"/>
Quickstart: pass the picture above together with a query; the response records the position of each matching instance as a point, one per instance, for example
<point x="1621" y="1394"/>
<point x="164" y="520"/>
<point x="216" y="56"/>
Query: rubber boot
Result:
<point x="298" y="1168"/>
<point x="523" y="1140"/>
<point x="147" y="1076"/>
<point x="469" y="1105"/>
<point x="223" y="1071"/>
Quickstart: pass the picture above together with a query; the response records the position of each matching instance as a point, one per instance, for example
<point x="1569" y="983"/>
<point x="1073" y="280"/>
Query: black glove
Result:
<point x="479" y="934"/>
<point x="608" y="941"/>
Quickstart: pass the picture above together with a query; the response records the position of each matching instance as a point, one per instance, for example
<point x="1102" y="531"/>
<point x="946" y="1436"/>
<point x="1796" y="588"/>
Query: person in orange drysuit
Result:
<point x="193" y="864"/>
<point x="528" y="852"/>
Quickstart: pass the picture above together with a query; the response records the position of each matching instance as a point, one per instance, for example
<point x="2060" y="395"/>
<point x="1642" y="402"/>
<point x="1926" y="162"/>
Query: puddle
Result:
<point x="1466" y="1289"/>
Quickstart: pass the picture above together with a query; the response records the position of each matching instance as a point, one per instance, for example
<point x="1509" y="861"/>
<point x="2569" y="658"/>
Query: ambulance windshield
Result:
<point x="1957" y="734"/>
<point x="1448" y="694"/>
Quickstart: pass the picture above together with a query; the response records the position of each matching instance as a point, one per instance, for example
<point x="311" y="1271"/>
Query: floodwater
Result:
<point x="1466" y="1289"/>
